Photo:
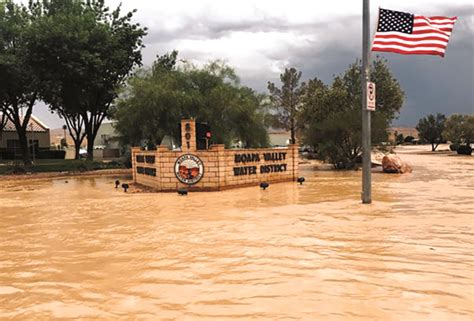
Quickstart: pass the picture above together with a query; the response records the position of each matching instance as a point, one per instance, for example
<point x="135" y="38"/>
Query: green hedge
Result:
<point x="7" y="155"/>
<point x="51" y="154"/>
<point x="41" y="154"/>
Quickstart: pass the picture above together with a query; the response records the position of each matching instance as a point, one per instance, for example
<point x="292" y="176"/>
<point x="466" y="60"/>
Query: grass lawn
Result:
<point x="58" y="165"/>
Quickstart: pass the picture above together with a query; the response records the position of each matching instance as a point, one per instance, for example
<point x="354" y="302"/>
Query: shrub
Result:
<point x="6" y="154"/>
<point x="18" y="169"/>
<point x="126" y="159"/>
<point x="83" y="167"/>
<point x="51" y="154"/>
<point x="464" y="150"/>
<point x="454" y="147"/>
<point x="409" y="139"/>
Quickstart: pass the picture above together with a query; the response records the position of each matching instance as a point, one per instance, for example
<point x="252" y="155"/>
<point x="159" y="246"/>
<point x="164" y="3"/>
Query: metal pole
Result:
<point x="366" y="144"/>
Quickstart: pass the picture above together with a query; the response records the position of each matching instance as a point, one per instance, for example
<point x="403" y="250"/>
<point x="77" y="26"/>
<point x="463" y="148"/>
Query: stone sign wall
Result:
<point x="216" y="168"/>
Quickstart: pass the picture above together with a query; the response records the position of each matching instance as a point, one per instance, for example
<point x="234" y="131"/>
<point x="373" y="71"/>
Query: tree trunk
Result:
<point x="25" y="151"/>
<point x="21" y="126"/>
<point x="292" y="131"/>
<point x="77" y="147"/>
<point x="92" y="125"/>
<point x="74" y="125"/>
<point x="91" y="133"/>
<point x="90" y="148"/>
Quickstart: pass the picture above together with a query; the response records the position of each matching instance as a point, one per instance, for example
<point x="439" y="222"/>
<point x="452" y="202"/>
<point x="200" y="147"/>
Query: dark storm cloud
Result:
<point x="434" y="84"/>
<point x="431" y="84"/>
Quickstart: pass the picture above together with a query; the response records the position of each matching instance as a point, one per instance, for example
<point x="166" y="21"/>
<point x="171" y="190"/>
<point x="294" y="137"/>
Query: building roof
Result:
<point x="34" y="125"/>
<point x="406" y="131"/>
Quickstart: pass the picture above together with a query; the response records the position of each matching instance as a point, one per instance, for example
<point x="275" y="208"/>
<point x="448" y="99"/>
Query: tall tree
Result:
<point x="18" y="84"/>
<point x="431" y="128"/>
<point x="83" y="52"/>
<point x="158" y="98"/>
<point x="459" y="129"/>
<point x="332" y="114"/>
<point x="287" y="99"/>
<point x="468" y="135"/>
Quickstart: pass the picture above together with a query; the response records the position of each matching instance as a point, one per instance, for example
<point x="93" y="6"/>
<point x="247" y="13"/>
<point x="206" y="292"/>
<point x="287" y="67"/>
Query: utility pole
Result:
<point x="366" y="143"/>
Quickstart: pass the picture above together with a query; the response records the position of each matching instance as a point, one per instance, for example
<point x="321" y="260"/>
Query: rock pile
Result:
<point x="393" y="164"/>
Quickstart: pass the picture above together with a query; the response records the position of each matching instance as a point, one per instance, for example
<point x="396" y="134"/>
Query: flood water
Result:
<point x="83" y="249"/>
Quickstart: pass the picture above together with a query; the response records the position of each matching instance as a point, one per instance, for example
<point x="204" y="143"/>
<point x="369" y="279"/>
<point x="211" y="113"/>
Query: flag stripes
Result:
<point x="404" y="33"/>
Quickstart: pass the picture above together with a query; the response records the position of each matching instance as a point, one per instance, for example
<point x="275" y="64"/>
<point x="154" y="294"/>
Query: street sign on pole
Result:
<point x="371" y="96"/>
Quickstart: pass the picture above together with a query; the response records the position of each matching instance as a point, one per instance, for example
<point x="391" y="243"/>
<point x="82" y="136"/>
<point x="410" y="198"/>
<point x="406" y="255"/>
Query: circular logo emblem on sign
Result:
<point x="188" y="169"/>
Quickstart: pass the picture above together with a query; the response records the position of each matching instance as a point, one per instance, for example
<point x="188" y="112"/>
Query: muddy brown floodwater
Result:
<point x="83" y="249"/>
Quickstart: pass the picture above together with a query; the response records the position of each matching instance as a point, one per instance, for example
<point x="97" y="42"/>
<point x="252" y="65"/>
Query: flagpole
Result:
<point x="366" y="144"/>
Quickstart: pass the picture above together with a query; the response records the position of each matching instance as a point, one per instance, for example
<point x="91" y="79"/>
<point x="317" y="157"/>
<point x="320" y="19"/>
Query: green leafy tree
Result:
<point x="159" y="98"/>
<point x="431" y="129"/>
<point x="166" y="62"/>
<point x="459" y="129"/>
<point x="18" y="84"/>
<point x="468" y="135"/>
<point x="315" y="103"/>
<point x="150" y="107"/>
<point x="83" y="52"/>
<point x="332" y="114"/>
<point x="287" y="100"/>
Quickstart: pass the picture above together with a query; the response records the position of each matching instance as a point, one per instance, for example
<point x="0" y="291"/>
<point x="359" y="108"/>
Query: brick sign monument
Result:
<point x="212" y="169"/>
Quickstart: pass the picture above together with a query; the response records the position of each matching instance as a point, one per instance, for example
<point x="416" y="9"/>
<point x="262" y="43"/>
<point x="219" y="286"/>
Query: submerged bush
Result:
<point x="454" y="147"/>
<point x="464" y="150"/>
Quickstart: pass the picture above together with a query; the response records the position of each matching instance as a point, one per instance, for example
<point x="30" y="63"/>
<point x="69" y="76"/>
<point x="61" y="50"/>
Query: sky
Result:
<point x="261" y="38"/>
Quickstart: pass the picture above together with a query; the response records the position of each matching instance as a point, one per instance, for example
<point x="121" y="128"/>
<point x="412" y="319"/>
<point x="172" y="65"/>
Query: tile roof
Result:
<point x="34" y="125"/>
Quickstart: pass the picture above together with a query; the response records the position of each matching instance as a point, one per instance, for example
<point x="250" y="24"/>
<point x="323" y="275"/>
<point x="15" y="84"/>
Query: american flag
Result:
<point x="410" y="34"/>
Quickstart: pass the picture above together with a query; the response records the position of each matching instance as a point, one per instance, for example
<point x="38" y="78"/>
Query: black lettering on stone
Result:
<point x="246" y="158"/>
<point x="274" y="156"/>
<point x="273" y="168"/>
<point x="245" y="170"/>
